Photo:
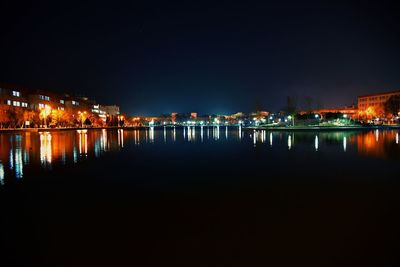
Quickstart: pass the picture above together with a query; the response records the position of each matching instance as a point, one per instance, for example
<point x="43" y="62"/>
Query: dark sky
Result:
<point x="153" y="57"/>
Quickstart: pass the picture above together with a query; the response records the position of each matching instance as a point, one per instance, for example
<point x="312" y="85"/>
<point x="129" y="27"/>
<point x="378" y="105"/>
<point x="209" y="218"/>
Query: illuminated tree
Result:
<point x="30" y="116"/>
<point x="61" y="118"/>
<point x="44" y="115"/>
<point x="96" y="121"/>
<point x="15" y="117"/>
<point x="4" y="119"/>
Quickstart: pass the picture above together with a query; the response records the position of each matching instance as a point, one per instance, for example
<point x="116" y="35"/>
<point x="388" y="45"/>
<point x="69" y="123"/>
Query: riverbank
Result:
<point x="269" y="128"/>
<point x="325" y="128"/>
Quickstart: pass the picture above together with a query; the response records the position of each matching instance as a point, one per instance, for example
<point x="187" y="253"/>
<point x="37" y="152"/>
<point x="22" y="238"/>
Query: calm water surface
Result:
<point x="190" y="151"/>
<point x="199" y="197"/>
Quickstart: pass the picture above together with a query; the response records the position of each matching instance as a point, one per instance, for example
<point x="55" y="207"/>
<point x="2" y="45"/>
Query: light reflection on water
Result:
<point x="1" y="173"/>
<point x="46" y="149"/>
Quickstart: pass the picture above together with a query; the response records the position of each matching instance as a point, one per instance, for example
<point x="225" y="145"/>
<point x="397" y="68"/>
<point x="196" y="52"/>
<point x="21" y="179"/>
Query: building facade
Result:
<point x="374" y="104"/>
<point x="17" y="98"/>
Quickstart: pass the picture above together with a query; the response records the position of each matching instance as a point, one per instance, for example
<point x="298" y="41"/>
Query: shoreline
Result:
<point x="276" y="128"/>
<point x="328" y="128"/>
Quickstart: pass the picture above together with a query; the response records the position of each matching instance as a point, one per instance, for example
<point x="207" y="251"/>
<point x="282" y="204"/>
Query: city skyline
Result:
<point x="213" y="58"/>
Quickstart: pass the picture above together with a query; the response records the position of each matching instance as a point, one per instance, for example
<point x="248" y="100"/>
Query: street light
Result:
<point x="120" y="119"/>
<point x="81" y="114"/>
<point x="291" y="118"/>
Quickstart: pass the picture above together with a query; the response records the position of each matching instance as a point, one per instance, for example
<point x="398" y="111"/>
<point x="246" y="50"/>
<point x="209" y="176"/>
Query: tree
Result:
<point x="4" y="119"/>
<point x="308" y="102"/>
<point x="333" y="115"/>
<point x="392" y="105"/>
<point x="87" y="122"/>
<point x="29" y="115"/>
<point x="16" y="117"/>
<point x="60" y="118"/>
<point x="291" y="105"/>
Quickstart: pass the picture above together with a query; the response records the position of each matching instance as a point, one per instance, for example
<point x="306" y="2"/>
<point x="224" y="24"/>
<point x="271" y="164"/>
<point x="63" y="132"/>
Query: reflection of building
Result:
<point x="380" y="144"/>
<point x="373" y="104"/>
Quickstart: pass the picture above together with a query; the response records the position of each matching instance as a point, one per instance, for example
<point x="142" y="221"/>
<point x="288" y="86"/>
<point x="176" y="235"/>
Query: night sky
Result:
<point x="154" y="57"/>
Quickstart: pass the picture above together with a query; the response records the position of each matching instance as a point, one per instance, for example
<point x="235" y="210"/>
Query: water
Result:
<point x="210" y="151"/>
<point x="198" y="197"/>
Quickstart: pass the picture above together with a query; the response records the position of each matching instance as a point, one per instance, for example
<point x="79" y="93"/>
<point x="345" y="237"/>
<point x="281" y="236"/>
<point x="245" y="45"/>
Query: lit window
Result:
<point x="75" y="103"/>
<point x="44" y="97"/>
<point x="9" y="102"/>
<point x="24" y="104"/>
<point x="16" y="93"/>
<point x="60" y="108"/>
<point x="41" y="105"/>
<point x="62" y="101"/>
<point x="16" y="103"/>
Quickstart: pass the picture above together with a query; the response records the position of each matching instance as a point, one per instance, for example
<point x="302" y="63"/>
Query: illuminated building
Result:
<point x="373" y="105"/>
<point x="193" y="115"/>
<point x="173" y="116"/>
<point x="46" y="103"/>
<point x="112" y="110"/>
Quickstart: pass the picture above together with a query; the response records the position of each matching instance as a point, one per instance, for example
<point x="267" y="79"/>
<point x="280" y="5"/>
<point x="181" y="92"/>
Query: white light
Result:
<point x="270" y="139"/>
<point x="289" y="117"/>
<point x="316" y="116"/>
<point x="1" y="174"/>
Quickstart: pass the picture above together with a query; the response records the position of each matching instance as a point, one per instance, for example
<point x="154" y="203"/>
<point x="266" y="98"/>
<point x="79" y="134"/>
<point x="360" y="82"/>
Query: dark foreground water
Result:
<point x="199" y="197"/>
